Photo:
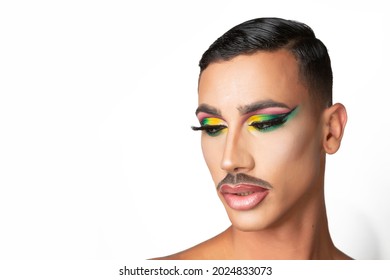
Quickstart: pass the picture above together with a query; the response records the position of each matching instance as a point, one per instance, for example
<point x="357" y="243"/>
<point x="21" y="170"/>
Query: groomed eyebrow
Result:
<point x="208" y="109"/>
<point x="242" y="109"/>
<point x="260" y="105"/>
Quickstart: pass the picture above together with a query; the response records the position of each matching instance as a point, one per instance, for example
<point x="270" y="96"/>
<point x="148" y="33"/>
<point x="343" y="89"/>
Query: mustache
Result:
<point x="241" y="178"/>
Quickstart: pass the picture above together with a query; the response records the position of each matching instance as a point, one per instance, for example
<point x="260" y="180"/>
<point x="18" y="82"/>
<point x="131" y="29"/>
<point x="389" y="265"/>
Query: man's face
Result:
<point x="261" y="139"/>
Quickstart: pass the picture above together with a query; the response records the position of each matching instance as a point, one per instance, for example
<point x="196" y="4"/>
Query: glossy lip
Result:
<point x="243" y="202"/>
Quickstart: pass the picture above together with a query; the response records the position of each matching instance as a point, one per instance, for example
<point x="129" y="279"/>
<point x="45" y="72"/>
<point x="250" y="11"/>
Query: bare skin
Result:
<point x="304" y="242"/>
<point x="234" y="244"/>
<point x="291" y="221"/>
<point x="226" y="246"/>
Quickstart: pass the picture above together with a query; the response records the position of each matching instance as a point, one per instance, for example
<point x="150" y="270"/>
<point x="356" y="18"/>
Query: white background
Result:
<point x="97" y="158"/>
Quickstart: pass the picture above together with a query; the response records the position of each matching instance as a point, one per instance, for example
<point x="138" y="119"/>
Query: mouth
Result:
<point x="244" y="193"/>
<point x="243" y="196"/>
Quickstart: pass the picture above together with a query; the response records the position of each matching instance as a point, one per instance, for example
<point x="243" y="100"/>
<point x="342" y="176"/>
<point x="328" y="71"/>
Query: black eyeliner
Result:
<point x="279" y="120"/>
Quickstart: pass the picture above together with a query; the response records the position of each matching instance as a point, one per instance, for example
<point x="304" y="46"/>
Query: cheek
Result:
<point x="292" y="150"/>
<point x="212" y="149"/>
<point x="293" y="162"/>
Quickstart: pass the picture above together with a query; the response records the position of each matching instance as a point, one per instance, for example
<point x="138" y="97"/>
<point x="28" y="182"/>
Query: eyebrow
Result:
<point x="208" y="109"/>
<point x="260" y="105"/>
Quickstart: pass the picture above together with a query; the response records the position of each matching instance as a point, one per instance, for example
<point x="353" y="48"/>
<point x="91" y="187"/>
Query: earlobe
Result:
<point x="334" y="125"/>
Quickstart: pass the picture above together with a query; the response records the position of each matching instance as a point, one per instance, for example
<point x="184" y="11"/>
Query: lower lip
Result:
<point x="246" y="202"/>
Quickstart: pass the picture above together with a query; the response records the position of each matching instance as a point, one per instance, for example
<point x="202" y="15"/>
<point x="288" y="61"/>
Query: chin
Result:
<point x="247" y="221"/>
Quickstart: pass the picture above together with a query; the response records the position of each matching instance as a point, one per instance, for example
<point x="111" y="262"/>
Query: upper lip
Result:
<point x="241" y="188"/>
<point x="242" y="179"/>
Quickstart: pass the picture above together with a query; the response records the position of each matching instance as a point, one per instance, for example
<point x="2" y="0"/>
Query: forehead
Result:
<point x="251" y="78"/>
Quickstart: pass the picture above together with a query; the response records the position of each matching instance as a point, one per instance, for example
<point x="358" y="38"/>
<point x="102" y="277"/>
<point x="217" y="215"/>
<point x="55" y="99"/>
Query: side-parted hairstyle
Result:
<point x="271" y="34"/>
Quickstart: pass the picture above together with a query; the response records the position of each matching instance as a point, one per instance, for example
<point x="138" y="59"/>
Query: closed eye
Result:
<point x="269" y="125"/>
<point x="270" y="122"/>
<point x="212" y="130"/>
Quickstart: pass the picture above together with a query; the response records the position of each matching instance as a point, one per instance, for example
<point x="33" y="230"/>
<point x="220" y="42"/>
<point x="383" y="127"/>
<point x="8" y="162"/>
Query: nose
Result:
<point x="237" y="157"/>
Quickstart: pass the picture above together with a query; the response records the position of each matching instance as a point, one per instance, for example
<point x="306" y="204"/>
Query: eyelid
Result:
<point x="212" y="121"/>
<point x="264" y="117"/>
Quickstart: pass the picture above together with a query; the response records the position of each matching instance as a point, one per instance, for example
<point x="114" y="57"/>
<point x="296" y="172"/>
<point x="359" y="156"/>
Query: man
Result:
<point x="267" y="120"/>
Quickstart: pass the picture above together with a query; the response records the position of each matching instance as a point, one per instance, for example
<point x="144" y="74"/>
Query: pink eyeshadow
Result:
<point x="271" y="111"/>
<point x="202" y="115"/>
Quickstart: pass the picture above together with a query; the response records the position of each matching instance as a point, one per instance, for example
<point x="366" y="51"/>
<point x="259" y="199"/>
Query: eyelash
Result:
<point x="271" y="124"/>
<point x="211" y="130"/>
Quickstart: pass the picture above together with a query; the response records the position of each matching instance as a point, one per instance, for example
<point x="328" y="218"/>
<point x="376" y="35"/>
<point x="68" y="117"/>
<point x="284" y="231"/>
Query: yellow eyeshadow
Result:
<point x="212" y="121"/>
<point x="259" y="118"/>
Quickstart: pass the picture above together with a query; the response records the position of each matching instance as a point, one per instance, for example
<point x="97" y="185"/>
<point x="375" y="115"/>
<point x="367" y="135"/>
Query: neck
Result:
<point x="304" y="236"/>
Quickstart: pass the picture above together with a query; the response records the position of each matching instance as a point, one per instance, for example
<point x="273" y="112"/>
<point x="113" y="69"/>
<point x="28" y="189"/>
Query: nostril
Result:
<point x="236" y="170"/>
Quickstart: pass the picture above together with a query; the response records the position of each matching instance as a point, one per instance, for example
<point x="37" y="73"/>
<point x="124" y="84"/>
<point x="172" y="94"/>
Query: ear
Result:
<point x="335" y="119"/>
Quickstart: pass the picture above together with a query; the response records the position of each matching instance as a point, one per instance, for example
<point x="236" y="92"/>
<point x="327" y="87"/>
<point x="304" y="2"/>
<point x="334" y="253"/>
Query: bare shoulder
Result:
<point x="212" y="249"/>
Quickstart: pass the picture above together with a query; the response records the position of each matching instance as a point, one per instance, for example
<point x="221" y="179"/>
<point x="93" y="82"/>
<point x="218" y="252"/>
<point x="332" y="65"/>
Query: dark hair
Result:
<point x="271" y="34"/>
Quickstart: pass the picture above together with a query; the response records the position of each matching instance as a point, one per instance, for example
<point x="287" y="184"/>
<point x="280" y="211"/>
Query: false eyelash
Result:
<point x="211" y="130"/>
<point x="205" y="127"/>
